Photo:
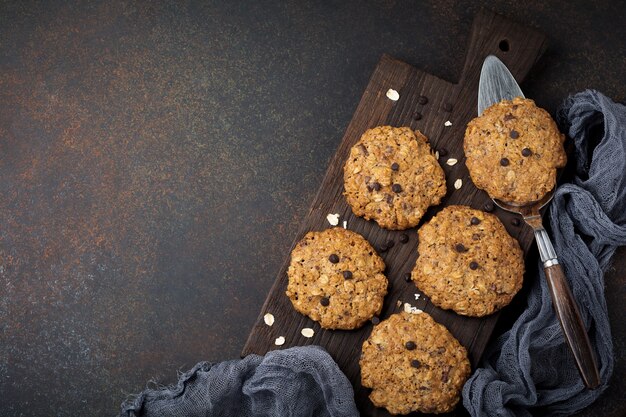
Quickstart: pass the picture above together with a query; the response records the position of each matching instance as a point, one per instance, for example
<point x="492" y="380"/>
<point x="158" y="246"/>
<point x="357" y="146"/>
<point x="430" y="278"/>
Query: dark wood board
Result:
<point x="519" y="47"/>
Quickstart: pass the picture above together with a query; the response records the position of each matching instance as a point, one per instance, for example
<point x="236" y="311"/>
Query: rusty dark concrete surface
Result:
<point x="156" y="159"/>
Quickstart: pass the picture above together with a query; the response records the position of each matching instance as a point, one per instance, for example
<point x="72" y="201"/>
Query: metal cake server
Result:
<point x="497" y="84"/>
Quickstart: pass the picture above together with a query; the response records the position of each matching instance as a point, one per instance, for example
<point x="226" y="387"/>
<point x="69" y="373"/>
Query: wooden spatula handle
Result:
<point x="572" y="324"/>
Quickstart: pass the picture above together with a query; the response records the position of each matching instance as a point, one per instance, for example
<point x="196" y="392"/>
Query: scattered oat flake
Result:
<point x="398" y="303"/>
<point x="408" y="308"/>
<point x="417" y="296"/>
<point x="448" y="123"/>
<point x="279" y="341"/>
<point x="458" y="183"/>
<point x="268" y="319"/>
<point x="333" y="219"/>
<point x="307" y="332"/>
<point x="436" y="154"/>
<point x="452" y="161"/>
<point x="345" y="224"/>
<point x="393" y="94"/>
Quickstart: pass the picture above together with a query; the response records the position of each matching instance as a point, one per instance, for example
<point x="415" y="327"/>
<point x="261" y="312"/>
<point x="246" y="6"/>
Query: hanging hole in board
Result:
<point x="504" y="45"/>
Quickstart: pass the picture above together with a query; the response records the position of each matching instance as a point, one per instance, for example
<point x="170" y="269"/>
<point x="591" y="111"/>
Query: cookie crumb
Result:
<point x="393" y="94"/>
<point x="408" y="308"/>
<point x="333" y="219"/>
<point x="307" y="332"/>
<point x="458" y="184"/>
<point x="452" y="161"/>
<point x="279" y="341"/>
<point x="448" y="123"/>
<point x="268" y="319"/>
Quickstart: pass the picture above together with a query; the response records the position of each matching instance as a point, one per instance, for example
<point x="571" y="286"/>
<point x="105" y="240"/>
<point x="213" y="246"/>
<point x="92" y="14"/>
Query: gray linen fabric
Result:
<point x="529" y="370"/>
<point x="296" y="382"/>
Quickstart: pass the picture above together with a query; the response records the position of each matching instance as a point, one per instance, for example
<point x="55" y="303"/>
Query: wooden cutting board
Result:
<point x="519" y="47"/>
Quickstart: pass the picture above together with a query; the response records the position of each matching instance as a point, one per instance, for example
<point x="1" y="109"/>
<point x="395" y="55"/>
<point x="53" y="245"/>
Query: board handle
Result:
<point x="518" y="46"/>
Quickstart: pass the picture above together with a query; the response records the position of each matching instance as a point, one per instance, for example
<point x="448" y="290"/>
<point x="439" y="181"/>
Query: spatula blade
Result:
<point x="496" y="84"/>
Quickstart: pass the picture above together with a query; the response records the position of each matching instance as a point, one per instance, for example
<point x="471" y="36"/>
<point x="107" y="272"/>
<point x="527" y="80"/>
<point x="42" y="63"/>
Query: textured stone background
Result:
<point x="156" y="160"/>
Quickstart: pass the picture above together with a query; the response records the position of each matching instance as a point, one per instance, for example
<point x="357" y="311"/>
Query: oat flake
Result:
<point x="279" y="341"/>
<point x="417" y="296"/>
<point x="436" y="154"/>
<point x="345" y="224"/>
<point x="307" y="332"/>
<point x="458" y="183"/>
<point x="333" y="219"/>
<point x="393" y="94"/>
<point x="448" y="123"/>
<point x="451" y="161"/>
<point x="268" y="319"/>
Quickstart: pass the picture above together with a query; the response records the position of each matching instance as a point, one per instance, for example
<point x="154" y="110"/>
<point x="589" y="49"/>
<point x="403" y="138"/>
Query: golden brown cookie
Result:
<point x="392" y="177"/>
<point x="336" y="278"/>
<point x="513" y="150"/>
<point x="468" y="262"/>
<point x="413" y="363"/>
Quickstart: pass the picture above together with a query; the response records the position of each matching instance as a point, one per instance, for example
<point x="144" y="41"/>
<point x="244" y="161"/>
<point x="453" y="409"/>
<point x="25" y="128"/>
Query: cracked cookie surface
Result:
<point x="468" y="262"/>
<point x="412" y="364"/>
<point x="392" y="177"/>
<point x="513" y="151"/>
<point x="336" y="278"/>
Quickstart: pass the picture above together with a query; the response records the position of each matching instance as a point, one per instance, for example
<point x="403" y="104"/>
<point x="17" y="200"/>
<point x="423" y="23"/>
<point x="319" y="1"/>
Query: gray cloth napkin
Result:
<point x="529" y="369"/>
<point x="297" y="382"/>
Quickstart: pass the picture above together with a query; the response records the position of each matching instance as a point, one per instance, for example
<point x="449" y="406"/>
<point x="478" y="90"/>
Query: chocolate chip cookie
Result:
<point x="513" y="150"/>
<point x="468" y="262"/>
<point x="392" y="177"/>
<point x="336" y="278"/>
<point x="412" y="364"/>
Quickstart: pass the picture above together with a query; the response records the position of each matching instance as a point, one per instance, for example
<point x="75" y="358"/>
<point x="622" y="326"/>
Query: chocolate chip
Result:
<point x="375" y="320"/>
<point x="407" y="276"/>
<point x="475" y="236"/>
<point x="473" y="265"/>
<point x="376" y="186"/>
<point x="347" y="274"/>
<point x="404" y="238"/>
<point x="447" y="107"/>
<point x="488" y="207"/>
<point x="382" y="248"/>
<point x="514" y="134"/>
<point x="325" y="301"/>
<point x="460" y="248"/>
<point x="417" y="115"/>
<point x="504" y="162"/>
<point x="422" y="100"/>
<point x="526" y="152"/>
<point x="395" y="166"/>
<point x="474" y="221"/>
<point x="390" y="243"/>
<point x="515" y="221"/>
<point x="508" y="117"/>
<point x="333" y="258"/>
<point x="396" y="188"/>
<point x="444" y="375"/>
<point x="410" y="345"/>
<point x="415" y="363"/>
